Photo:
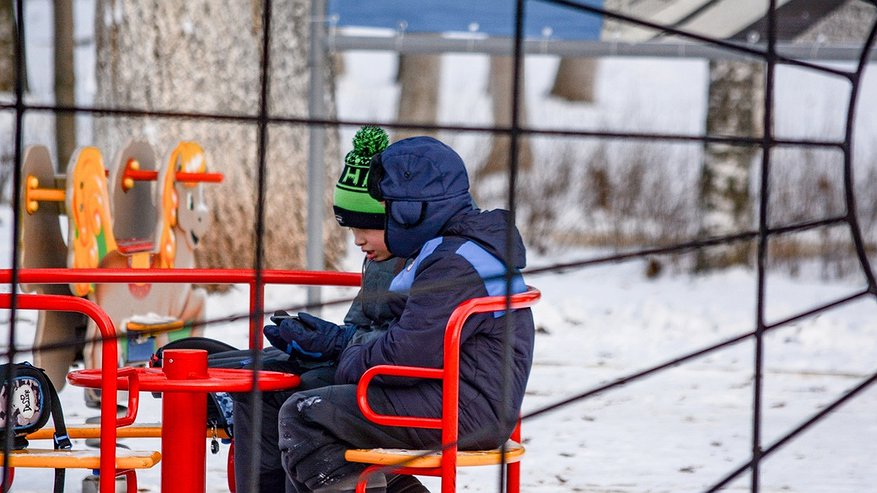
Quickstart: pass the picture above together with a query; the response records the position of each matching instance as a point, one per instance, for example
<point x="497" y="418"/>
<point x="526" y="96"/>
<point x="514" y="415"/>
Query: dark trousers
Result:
<point x="272" y="478"/>
<point x="317" y="426"/>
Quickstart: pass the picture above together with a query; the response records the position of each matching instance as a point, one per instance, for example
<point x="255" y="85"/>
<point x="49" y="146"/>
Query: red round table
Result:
<point x="184" y="380"/>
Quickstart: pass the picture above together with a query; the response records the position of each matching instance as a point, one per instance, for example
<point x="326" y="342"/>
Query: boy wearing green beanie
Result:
<point x="353" y="206"/>
<point x="369" y="315"/>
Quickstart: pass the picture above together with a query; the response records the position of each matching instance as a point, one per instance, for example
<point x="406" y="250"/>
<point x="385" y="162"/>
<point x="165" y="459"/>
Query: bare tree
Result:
<point x="574" y="80"/>
<point x="418" y="78"/>
<point x="735" y="107"/>
<point x="7" y="84"/>
<point x="65" y="81"/>
<point x="204" y="56"/>
<point x="501" y="89"/>
<point x="7" y="46"/>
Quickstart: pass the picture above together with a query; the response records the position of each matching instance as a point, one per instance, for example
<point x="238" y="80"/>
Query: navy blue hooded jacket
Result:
<point x="455" y="254"/>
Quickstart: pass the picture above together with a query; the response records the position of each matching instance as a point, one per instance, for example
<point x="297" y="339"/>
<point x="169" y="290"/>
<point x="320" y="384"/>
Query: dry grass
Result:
<point x="624" y="195"/>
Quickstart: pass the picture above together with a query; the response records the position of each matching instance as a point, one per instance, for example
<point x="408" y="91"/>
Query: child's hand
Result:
<point x="285" y="336"/>
<point x="308" y="337"/>
<point x="317" y="324"/>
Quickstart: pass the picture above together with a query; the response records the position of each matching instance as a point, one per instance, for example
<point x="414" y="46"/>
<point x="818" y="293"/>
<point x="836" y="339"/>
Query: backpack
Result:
<point x="33" y="400"/>
<point x="219" y="404"/>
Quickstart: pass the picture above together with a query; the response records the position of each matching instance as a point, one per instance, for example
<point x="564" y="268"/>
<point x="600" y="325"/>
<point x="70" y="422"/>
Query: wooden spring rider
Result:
<point x="131" y="220"/>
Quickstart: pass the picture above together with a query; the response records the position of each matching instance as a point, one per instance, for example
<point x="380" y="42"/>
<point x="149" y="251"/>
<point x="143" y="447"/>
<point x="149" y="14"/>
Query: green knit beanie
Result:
<point x="354" y="207"/>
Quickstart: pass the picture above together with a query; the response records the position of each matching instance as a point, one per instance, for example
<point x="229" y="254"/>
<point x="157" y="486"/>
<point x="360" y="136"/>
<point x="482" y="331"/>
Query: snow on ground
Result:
<point x="682" y="429"/>
<point x="678" y="430"/>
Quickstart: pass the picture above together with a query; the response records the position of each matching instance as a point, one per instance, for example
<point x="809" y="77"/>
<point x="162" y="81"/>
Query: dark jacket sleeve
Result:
<point x="443" y="281"/>
<point x="370" y="312"/>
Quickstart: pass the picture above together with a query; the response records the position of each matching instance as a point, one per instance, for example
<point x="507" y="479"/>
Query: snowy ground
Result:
<point x="679" y="430"/>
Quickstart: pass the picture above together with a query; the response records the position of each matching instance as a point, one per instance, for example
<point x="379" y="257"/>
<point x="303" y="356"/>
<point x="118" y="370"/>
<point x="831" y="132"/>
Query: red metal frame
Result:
<point x="450" y="376"/>
<point x="256" y="280"/>
<point x="249" y="277"/>
<point x="109" y="360"/>
<point x="184" y="381"/>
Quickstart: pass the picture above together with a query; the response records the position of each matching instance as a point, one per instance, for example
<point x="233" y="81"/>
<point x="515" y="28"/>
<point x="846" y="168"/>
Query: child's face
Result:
<point x="371" y="241"/>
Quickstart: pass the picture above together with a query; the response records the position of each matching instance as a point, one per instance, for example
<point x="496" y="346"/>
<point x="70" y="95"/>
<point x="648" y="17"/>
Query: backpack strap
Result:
<point x="19" y="442"/>
<point x="60" y="440"/>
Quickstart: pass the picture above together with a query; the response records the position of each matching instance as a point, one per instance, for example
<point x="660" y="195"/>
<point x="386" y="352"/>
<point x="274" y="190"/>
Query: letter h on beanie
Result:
<point x="353" y="206"/>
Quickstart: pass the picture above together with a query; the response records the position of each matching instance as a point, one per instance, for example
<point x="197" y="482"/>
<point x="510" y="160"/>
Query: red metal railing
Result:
<point x="193" y="276"/>
<point x="109" y="360"/>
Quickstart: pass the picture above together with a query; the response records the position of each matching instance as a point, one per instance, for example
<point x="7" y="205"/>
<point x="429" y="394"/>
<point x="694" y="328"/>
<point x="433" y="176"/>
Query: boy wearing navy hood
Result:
<point x="455" y="252"/>
<point x="368" y="316"/>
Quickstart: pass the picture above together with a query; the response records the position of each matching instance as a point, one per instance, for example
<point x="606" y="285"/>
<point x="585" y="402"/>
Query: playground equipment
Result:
<point x="445" y="462"/>
<point x="145" y="216"/>
<point x="42" y="246"/>
<point x="185" y="380"/>
<point x="107" y="459"/>
<point x="111" y="378"/>
<point x="159" y="215"/>
<point x="130" y="250"/>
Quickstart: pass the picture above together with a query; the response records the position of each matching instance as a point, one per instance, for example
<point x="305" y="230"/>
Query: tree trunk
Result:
<point x="204" y="56"/>
<point x="7" y="47"/>
<point x="418" y="78"/>
<point x="501" y="85"/>
<point x="735" y="108"/>
<point x="65" y="82"/>
<point x="574" y="80"/>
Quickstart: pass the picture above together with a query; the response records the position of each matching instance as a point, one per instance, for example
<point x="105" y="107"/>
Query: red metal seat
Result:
<point x="444" y="463"/>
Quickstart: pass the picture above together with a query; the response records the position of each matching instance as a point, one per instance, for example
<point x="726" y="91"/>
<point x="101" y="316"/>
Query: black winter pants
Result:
<point x="272" y="478"/>
<point x="317" y="426"/>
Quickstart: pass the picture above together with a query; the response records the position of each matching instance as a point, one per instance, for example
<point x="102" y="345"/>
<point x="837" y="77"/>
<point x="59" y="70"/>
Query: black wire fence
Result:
<point x="517" y="130"/>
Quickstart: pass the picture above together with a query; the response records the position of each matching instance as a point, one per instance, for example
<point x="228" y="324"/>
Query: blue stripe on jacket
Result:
<point x="404" y="280"/>
<point x="489" y="268"/>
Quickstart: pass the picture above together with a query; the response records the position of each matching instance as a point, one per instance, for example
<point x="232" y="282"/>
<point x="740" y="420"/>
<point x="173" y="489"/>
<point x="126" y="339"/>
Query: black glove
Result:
<point x="308" y="337"/>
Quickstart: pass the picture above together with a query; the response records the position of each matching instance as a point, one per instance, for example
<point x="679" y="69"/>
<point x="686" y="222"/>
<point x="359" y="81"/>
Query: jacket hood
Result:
<point x="424" y="184"/>
<point x="490" y="230"/>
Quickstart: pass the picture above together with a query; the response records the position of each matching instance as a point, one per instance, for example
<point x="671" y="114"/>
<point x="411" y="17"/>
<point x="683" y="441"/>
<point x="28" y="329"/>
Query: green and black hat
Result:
<point x="354" y="207"/>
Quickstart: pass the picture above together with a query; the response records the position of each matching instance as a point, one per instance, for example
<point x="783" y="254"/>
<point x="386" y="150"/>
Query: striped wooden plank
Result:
<point x="514" y="452"/>
<point x="79" y="459"/>
<point x="137" y="430"/>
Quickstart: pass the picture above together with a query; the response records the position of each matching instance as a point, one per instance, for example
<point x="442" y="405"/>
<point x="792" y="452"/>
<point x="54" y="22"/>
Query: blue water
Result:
<point x="492" y="17"/>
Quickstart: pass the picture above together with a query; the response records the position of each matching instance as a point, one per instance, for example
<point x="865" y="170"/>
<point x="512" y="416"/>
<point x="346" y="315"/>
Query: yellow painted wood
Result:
<point x="80" y="459"/>
<point x="425" y="458"/>
<point x="139" y="430"/>
<point x="156" y="327"/>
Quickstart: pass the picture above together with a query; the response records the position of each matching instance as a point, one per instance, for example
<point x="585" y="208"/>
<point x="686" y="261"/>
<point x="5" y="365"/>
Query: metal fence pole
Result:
<point x="316" y="151"/>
